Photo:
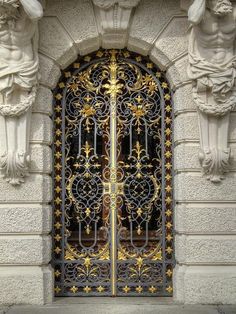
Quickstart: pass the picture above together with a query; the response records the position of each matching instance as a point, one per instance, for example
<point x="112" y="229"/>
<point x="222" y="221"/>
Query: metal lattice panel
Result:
<point x="113" y="177"/>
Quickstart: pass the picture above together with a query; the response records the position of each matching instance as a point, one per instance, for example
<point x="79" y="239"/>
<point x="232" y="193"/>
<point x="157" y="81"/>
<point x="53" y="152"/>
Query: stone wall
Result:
<point x="205" y="213"/>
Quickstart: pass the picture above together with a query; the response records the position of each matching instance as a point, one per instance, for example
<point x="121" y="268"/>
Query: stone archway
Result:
<point x="174" y="62"/>
<point x="203" y="212"/>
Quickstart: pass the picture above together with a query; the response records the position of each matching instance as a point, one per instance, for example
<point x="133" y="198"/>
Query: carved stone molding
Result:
<point x="18" y="83"/>
<point x="114" y="15"/>
<point x="212" y="68"/>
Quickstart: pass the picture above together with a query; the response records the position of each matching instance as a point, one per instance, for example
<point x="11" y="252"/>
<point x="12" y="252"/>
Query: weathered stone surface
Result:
<point x="25" y="249"/>
<point x="159" y="58"/>
<point x="114" y="41"/>
<point x="177" y="73"/>
<point x="26" y="285"/>
<point x="195" y="187"/>
<point x="150" y="18"/>
<point x="79" y="21"/>
<point x="27" y="218"/>
<point x="208" y="249"/>
<point x="115" y="308"/>
<point x="183" y="99"/>
<point x="186" y="157"/>
<point x="55" y="42"/>
<point x="205" y="284"/>
<point x="41" y="159"/>
<point x="49" y="72"/>
<point x="36" y="189"/>
<point x="205" y="218"/>
<point x="172" y="43"/>
<point x="41" y="129"/>
<point x="186" y="127"/>
<point x="43" y="102"/>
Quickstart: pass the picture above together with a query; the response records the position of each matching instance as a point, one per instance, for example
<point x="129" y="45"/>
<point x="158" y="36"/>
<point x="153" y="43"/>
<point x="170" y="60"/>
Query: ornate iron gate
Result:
<point x="113" y="177"/>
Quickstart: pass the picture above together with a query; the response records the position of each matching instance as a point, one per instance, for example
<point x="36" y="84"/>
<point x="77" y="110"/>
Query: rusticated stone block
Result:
<point x="41" y="129"/>
<point x="186" y="157"/>
<point x="79" y="20"/>
<point x="25" y="218"/>
<point x="35" y="189"/>
<point x="183" y="99"/>
<point x="187" y="127"/>
<point x="41" y="159"/>
<point x="205" y="284"/>
<point x="49" y="71"/>
<point x="172" y="42"/>
<point x="25" y="249"/>
<point x="55" y="42"/>
<point x="44" y="101"/>
<point x="205" y="218"/>
<point x="177" y="73"/>
<point x="150" y="18"/>
<point x="26" y="285"/>
<point x="205" y="249"/>
<point x="194" y="187"/>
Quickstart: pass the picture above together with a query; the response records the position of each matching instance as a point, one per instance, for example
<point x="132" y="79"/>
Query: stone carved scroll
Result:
<point x="114" y="15"/>
<point x="18" y="83"/>
<point x="213" y="71"/>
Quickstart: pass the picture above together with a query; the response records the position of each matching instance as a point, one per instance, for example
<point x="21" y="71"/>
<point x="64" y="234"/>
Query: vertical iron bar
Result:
<point x="113" y="169"/>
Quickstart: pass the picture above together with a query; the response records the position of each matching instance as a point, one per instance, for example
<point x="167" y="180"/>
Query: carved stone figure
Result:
<point x="18" y="83"/>
<point x="213" y="71"/>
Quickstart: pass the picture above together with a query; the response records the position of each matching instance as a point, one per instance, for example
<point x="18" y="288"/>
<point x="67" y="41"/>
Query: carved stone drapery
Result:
<point x="114" y="16"/>
<point x="18" y="83"/>
<point x="213" y="71"/>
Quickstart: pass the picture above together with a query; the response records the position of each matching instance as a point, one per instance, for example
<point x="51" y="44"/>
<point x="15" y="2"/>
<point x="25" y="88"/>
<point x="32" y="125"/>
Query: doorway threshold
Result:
<point x="115" y="300"/>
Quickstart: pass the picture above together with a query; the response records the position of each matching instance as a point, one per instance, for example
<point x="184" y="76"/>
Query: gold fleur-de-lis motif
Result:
<point x="87" y="262"/>
<point x="87" y="289"/>
<point x="139" y="289"/>
<point x="126" y="289"/>
<point x="74" y="289"/>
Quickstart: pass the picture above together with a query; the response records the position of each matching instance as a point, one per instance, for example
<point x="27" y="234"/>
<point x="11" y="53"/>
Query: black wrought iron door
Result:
<point x="113" y="178"/>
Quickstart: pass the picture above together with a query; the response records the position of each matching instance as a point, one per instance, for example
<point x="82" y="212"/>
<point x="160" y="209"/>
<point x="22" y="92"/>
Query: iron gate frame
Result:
<point x="58" y="96"/>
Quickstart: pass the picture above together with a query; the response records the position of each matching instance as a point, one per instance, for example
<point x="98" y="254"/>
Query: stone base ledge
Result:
<point x="205" y="284"/>
<point x="26" y="285"/>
